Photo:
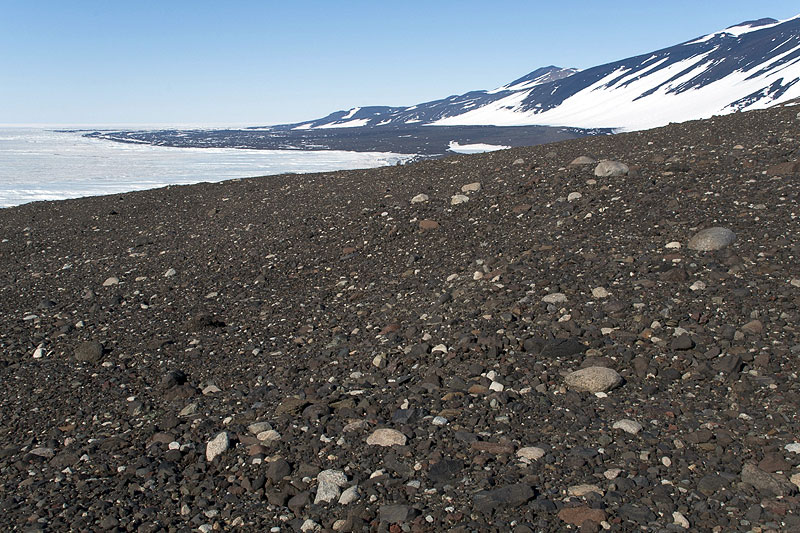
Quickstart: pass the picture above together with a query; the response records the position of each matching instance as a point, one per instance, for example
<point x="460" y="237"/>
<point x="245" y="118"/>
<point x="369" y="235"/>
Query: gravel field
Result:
<point x="514" y="341"/>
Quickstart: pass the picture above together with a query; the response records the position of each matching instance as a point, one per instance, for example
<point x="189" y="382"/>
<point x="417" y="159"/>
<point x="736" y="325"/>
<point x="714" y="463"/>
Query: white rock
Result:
<point x="310" y="525"/>
<point x="471" y="187"/>
<point x="674" y="245"/>
<point x="439" y="421"/>
<point x="555" y="298"/>
<point x="217" y="446"/>
<point x="211" y="389"/>
<point x="439" y="348"/>
<point x="606" y="169"/>
<point x="531" y="453"/>
<point x="612" y="473"/>
<point x="337" y="526"/>
<point x="795" y="282"/>
<point x="459" y="199"/>
<point x="795" y="479"/>
<point x="38" y="353"/>
<point x="496" y="386"/>
<point x="600" y="292"/>
<point x="679" y="519"/>
<point x="697" y="286"/>
<point x="386" y="437"/>
<point x="794" y="447"/>
<point x="269" y="436"/>
<point x="349" y="495"/>
<point x="571" y="197"/>
<point x="169" y="273"/>
<point x="521" y="161"/>
<point x="628" y="426"/>
<point x="111" y="281"/>
<point x="379" y="361"/>
<point x="259" y="427"/>
<point x="329" y="484"/>
<point x="420" y="198"/>
<point x="578" y="491"/>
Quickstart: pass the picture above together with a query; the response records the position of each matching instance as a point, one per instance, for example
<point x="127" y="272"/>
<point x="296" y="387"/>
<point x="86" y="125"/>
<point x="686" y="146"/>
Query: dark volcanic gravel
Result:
<point x="287" y="320"/>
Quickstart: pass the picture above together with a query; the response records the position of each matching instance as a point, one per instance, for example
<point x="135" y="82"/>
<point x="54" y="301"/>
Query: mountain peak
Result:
<point x="537" y="77"/>
<point x="753" y="23"/>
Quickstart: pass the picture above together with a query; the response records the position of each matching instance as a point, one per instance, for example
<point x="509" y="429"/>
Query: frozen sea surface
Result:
<point x="39" y="164"/>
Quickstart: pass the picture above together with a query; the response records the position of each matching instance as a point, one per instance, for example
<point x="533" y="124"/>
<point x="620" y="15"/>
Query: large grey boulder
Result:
<point x="711" y="239"/>
<point x="610" y="169"/>
<point x="583" y="160"/>
<point x="89" y="352"/>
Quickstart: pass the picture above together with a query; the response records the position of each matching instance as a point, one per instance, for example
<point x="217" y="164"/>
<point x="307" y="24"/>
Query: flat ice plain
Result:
<point x="43" y="164"/>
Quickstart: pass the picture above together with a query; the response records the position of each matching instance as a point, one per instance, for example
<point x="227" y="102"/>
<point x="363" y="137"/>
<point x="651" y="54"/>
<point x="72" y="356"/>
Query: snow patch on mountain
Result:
<point x="349" y="124"/>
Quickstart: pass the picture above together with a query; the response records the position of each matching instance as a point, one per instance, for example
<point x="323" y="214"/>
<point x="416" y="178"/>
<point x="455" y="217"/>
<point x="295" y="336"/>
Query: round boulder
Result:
<point x="610" y="169"/>
<point x="89" y="352"/>
<point x="593" y="379"/>
<point x="386" y="437"/>
<point x="583" y="160"/>
<point x="711" y="239"/>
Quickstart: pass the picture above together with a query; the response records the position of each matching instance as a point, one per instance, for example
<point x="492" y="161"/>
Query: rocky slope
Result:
<point x="479" y="343"/>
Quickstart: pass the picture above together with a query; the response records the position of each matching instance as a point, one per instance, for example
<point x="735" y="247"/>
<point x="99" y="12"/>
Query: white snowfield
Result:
<point x="477" y="148"/>
<point x="37" y="164"/>
<point x="610" y="103"/>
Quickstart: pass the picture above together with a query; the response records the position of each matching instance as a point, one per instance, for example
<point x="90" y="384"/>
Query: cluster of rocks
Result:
<point x="599" y="334"/>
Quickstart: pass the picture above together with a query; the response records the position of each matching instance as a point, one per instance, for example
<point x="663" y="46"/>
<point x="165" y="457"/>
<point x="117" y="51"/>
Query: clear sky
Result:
<point x="269" y="62"/>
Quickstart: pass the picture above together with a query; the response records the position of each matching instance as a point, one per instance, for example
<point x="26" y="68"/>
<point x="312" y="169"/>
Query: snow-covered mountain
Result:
<point x="752" y="65"/>
<point x="436" y="110"/>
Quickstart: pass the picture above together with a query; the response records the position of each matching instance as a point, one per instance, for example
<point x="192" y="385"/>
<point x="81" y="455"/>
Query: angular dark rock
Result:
<point x="445" y="470"/>
<point x="509" y="496"/>
<point x="562" y="348"/>
<point x="396" y="513"/>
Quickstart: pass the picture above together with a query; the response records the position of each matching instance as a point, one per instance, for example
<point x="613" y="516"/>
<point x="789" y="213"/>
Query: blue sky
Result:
<point x="267" y="62"/>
